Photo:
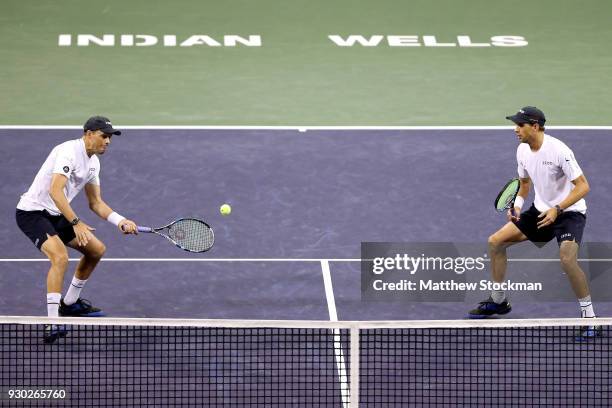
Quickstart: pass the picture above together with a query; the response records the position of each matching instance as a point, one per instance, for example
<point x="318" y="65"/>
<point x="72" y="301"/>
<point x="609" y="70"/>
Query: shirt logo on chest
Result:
<point x="547" y="163"/>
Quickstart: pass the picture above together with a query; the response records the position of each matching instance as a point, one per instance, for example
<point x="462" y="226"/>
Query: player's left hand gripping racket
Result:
<point x="505" y="198"/>
<point x="189" y="234"/>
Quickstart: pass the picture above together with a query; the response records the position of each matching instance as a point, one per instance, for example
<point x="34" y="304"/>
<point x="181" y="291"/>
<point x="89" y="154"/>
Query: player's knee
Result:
<point x="59" y="259"/>
<point x="567" y="257"/>
<point x="495" y="243"/>
<point x="98" y="250"/>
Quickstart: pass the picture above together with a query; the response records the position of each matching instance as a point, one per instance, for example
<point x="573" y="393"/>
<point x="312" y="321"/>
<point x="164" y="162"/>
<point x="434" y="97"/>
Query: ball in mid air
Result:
<point x="225" y="209"/>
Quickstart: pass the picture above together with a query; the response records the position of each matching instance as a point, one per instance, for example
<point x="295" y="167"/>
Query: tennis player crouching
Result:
<point x="45" y="216"/>
<point x="558" y="211"/>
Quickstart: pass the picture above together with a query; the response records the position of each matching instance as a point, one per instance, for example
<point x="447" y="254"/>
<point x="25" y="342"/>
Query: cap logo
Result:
<point x="522" y="111"/>
<point x="108" y="123"/>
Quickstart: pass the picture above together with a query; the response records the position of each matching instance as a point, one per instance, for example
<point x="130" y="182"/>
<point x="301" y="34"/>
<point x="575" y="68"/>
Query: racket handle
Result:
<point x="141" y="229"/>
<point x="512" y="211"/>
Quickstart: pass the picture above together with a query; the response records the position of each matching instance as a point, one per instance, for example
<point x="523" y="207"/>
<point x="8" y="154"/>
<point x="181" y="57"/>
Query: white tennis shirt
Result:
<point x="68" y="159"/>
<point x="551" y="169"/>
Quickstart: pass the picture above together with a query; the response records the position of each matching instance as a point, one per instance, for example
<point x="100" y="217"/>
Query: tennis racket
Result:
<point x="505" y="198"/>
<point x="189" y="234"/>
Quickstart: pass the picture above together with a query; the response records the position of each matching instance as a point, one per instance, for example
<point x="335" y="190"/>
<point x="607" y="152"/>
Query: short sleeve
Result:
<point x="568" y="163"/>
<point x="64" y="160"/>
<point x="94" y="173"/>
<point x="94" y="180"/>
<point x="520" y="169"/>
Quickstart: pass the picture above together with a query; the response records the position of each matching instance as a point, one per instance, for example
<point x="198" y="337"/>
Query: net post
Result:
<point x="354" y="366"/>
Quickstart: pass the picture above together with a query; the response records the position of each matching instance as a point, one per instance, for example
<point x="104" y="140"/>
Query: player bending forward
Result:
<point x="558" y="212"/>
<point x="45" y="216"/>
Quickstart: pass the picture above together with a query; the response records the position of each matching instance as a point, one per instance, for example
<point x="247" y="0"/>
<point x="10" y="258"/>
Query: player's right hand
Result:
<point x="128" y="227"/>
<point x="83" y="233"/>
<point x="514" y="216"/>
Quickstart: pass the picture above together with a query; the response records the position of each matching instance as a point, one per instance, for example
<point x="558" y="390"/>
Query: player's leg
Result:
<point x="92" y="253"/>
<point x="498" y="243"/>
<point x="569" y="229"/>
<point x="57" y="253"/>
<point x="568" y="255"/>
<point x="72" y="304"/>
<point x="39" y="227"/>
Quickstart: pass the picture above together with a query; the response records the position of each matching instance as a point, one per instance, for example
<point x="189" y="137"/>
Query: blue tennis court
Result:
<point x="344" y="135"/>
<point x="298" y="198"/>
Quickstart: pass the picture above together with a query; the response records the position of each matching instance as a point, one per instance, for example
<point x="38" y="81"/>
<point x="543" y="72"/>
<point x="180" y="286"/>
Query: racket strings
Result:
<point x="507" y="195"/>
<point x="192" y="235"/>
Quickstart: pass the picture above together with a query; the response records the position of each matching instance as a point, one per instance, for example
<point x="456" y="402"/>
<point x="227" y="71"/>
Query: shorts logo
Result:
<point x="566" y="235"/>
<point x="66" y="169"/>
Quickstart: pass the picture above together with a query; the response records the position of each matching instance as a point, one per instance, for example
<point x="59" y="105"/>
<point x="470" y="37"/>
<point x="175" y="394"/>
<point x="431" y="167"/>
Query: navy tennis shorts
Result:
<point x="569" y="226"/>
<point x="38" y="224"/>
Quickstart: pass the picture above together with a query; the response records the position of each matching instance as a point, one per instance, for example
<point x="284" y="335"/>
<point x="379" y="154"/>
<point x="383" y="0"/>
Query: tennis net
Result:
<point x="163" y="362"/>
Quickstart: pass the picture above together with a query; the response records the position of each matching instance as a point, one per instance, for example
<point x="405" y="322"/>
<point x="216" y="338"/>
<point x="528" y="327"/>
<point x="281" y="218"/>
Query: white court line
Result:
<point x="192" y="260"/>
<point x="329" y="291"/>
<point x="557" y="260"/>
<point x="303" y="324"/>
<point x="270" y="260"/>
<point x="294" y="127"/>
<point x="338" y="351"/>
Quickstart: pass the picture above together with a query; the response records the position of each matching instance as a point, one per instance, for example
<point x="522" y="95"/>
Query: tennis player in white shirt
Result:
<point x="45" y="216"/>
<point x="558" y="211"/>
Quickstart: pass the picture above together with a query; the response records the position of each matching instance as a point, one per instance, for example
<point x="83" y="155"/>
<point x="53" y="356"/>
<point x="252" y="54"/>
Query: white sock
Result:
<point x="74" y="291"/>
<point x="586" y="307"/>
<point x="498" y="296"/>
<point x="53" y="300"/>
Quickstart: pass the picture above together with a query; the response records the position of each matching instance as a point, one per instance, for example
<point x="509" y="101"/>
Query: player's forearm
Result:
<point x="101" y="209"/>
<point x="524" y="187"/>
<point x="62" y="204"/>
<point x="578" y="193"/>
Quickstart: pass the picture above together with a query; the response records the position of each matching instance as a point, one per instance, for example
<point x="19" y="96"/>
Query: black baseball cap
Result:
<point x="101" y="123"/>
<point x="528" y="114"/>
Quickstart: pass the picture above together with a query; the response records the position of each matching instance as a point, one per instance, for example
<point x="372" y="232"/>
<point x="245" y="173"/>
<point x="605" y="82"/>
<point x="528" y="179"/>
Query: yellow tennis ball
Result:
<point x="225" y="209"/>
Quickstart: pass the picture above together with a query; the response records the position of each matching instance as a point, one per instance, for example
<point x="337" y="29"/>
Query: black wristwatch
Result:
<point x="75" y="221"/>
<point x="559" y="210"/>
